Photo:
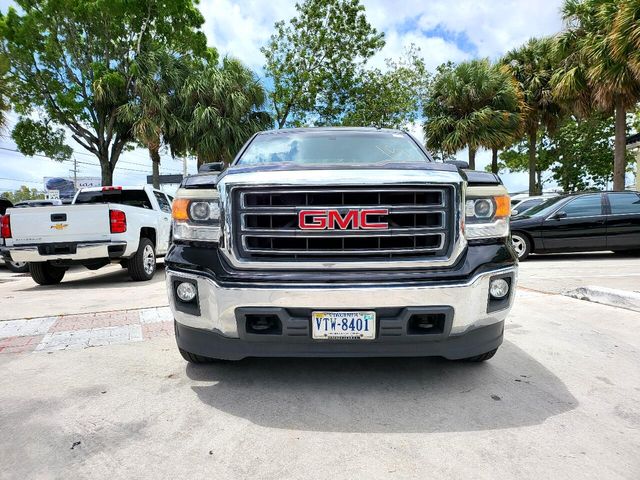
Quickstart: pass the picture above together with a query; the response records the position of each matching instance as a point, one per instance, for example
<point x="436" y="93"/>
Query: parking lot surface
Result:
<point x="559" y="400"/>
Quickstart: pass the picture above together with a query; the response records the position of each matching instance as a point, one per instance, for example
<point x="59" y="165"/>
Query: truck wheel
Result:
<point x="142" y="265"/>
<point x="193" y="358"/>
<point x="481" y="358"/>
<point x="17" y="267"/>
<point x="46" y="274"/>
<point x="521" y="245"/>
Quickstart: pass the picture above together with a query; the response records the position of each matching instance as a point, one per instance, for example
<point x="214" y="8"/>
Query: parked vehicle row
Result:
<point x="129" y="225"/>
<point x="584" y="222"/>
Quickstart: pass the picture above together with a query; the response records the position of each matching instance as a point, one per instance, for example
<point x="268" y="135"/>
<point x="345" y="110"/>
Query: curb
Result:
<point x="607" y="296"/>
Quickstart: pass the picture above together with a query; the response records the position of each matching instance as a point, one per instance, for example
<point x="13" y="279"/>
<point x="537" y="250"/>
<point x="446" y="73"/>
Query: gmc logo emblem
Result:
<point x="332" y="220"/>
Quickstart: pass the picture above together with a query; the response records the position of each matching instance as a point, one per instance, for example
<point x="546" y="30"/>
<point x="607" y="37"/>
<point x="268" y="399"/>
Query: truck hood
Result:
<point x="338" y="176"/>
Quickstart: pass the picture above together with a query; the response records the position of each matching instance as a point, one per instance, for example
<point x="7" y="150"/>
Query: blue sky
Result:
<point x="443" y="29"/>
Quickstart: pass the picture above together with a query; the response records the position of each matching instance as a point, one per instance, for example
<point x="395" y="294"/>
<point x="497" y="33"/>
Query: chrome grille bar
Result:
<point x="419" y="219"/>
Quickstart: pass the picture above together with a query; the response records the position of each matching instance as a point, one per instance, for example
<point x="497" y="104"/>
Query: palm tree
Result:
<point x="472" y="105"/>
<point x="154" y="113"/>
<point x="601" y="65"/>
<point x="223" y="107"/>
<point x="532" y="66"/>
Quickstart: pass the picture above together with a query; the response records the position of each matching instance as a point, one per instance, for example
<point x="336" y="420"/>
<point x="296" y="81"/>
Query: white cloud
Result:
<point x="240" y="29"/>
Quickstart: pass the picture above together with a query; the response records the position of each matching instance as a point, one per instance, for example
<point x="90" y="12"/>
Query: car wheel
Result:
<point x="17" y="267"/>
<point x="193" y="358"/>
<point x="46" y="274"/>
<point x="481" y="358"/>
<point x="142" y="266"/>
<point x="521" y="245"/>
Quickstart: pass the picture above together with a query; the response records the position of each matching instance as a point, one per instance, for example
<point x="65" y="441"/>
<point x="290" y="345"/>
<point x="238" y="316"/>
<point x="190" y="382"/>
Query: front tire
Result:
<point x="195" y="359"/>
<point x="44" y="273"/>
<point x="17" y="267"/>
<point x="481" y="358"/>
<point x="142" y="266"/>
<point x="521" y="244"/>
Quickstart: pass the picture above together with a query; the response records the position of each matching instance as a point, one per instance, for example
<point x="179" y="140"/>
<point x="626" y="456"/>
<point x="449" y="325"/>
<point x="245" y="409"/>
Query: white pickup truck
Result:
<point x="129" y="225"/>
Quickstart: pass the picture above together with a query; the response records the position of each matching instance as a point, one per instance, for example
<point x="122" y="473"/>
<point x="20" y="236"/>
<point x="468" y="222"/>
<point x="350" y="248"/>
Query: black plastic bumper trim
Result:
<point x="213" y="345"/>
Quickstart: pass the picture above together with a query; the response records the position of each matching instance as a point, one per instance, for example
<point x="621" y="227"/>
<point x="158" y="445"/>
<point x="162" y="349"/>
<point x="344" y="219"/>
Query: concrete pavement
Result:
<point x="559" y="400"/>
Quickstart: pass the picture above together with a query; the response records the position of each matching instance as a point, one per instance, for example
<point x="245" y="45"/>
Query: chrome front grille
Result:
<point x="266" y="227"/>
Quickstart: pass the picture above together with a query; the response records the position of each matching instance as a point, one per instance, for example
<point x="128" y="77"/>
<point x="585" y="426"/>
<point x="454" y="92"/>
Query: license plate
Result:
<point x="343" y="325"/>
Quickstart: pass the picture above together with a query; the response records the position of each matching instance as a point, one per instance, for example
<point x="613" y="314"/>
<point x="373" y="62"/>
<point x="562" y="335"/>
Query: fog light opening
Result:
<point x="186" y="292"/>
<point x="499" y="288"/>
<point x="263" y="324"/>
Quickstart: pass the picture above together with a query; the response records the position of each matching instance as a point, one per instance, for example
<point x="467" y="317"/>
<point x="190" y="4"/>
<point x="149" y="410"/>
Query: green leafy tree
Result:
<point x="315" y="59"/>
<point x="72" y="62"/>
<point x="5" y="89"/>
<point x="154" y="110"/>
<point x="578" y="156"/>
<point x="392" y="98"/>
<point x="33" y="137"/>
<point x="516" y="159"/>
<point x="22" y="194"/>
<point x="532" y="66"/>
<point x="600" y="65"/>
<point x="223" y="106"/>
<point x="473" y="105"/>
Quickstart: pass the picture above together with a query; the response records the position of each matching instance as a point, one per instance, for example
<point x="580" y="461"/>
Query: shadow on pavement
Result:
<point x="396" y="395"/>
<point x="117" y="278"/>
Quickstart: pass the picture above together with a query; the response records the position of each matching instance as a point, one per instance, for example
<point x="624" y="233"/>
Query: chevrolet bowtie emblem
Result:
<point x="59" y="226"/>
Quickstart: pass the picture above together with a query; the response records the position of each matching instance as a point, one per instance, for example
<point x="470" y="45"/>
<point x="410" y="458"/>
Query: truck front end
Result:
<point x="340" y="242"/>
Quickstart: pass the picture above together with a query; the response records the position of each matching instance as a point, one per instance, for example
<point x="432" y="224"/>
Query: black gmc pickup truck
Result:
<point x="340" y="242"/>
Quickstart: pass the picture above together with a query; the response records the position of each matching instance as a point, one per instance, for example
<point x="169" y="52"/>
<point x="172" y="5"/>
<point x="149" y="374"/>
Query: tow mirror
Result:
<point x="559" y="215"/>
<point x="211" y="167"/>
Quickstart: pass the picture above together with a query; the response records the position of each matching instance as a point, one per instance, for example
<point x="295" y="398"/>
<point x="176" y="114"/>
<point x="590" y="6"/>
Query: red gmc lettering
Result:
<point x="364" y="223"/>
<point x="333" y="219"/>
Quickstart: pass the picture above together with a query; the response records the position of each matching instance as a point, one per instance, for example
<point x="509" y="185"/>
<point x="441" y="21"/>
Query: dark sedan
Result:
<point x="585" y="222"/>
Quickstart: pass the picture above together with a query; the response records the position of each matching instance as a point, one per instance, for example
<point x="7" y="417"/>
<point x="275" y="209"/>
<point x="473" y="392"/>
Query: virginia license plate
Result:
<point x="343" y="325"/>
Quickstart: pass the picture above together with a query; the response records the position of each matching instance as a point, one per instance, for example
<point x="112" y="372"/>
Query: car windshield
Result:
<point x="332" y="148"/>
<point x="544" y="208"/>
<point x="132" y="198"/>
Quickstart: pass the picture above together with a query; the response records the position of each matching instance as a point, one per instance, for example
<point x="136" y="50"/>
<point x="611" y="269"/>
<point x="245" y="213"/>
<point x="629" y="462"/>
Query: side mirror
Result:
<point x="459" y="163"/>
<point x="559" y="215"/>
<point x="514" y="213"/>
<point x="211" y="167"/>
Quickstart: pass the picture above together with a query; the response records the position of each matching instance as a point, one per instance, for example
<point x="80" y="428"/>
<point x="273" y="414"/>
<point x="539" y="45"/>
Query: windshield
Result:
<point x="545" y="208"/>
<point x="132" y="198"/>
<point x="332" y="148"/>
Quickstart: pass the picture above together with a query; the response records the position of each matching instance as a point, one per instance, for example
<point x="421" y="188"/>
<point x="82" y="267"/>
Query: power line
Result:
<point x="84" y="163"/>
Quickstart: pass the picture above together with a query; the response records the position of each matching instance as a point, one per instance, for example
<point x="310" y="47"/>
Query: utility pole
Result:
<point x="75" y="172"/>
<point x="184" y="167"/>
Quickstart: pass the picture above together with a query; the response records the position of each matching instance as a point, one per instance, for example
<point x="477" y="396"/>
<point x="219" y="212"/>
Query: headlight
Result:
<point x="197" y="219"/>
<point x="486" y="216"/>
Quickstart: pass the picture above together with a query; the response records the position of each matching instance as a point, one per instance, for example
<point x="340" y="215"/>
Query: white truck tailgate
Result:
<point x="66" y="223"/>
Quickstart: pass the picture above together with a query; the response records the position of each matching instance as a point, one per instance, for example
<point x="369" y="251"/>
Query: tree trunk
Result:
<point x="154" y="154"/>
<point x="620" y="149"/>
<point x="494" y="160"/>
<point x="472" y="158"/>
<point x="107" y="172"/>
<point x="533" y="138"/>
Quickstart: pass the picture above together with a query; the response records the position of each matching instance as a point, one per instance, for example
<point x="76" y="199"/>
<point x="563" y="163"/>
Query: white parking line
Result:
<point x="90" y="338"/>
<point x="24" y="328"/>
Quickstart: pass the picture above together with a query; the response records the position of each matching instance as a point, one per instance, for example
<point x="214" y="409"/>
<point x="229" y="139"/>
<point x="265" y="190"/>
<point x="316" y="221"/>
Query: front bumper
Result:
<point x="79" y="251"/>
<point x="214" y="327"/>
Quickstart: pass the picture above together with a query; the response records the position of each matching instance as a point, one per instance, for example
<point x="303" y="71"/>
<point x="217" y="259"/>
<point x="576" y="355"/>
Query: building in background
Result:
<point x="65" y="188"/>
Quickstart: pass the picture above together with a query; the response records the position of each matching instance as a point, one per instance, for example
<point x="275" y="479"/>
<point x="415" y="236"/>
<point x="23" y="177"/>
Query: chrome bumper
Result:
<point x="218" y="304"/>
<point x="84" y="251"/>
